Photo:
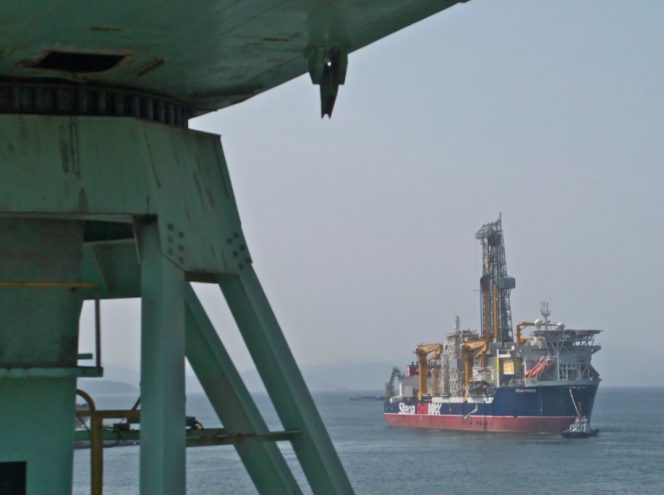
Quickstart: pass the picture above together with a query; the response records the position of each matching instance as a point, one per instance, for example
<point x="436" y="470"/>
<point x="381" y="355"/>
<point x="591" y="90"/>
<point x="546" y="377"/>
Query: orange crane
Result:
<point x="524" y="324"/>
<point x="471" y="350"/>
<point x="422" y="351"/>
<point x="538" y="323"/>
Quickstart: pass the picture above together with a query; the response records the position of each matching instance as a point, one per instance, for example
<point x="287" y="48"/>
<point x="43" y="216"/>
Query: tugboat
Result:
<point x="580" y="429"/>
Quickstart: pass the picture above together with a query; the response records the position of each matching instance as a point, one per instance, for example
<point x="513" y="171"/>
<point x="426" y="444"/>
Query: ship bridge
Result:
<point x="559" y="356"/>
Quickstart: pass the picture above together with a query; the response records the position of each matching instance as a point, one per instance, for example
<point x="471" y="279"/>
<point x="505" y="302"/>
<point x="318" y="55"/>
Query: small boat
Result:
<point x="580" y="429"/>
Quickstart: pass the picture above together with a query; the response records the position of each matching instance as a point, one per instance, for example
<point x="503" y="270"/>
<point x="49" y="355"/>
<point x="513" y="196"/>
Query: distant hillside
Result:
<point x="344" y="375"/>
<point x="102" y="386"/>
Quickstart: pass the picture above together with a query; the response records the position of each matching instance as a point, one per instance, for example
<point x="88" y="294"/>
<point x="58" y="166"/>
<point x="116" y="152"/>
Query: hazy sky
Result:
<point x="362" y="227"/>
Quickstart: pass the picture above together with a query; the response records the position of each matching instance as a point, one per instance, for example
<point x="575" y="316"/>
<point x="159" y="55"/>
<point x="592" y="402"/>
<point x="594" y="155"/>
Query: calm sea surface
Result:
<point x="627" y="457"/>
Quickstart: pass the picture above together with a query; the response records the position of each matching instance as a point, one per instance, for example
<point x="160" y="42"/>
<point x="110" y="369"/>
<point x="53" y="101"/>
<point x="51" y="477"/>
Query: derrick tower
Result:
<point x="495" y="284"/>
<point x="106" y="193"/>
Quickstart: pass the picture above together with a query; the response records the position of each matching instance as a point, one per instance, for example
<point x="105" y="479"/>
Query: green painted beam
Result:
<point x="162" y="456"/>
<point x="233" y="403"/>
<point x="52" y="372"/>
<point x="284" y="383"/>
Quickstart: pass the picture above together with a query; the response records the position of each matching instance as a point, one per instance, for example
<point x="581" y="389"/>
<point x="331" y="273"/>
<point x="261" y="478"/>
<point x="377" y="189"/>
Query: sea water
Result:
<point x="627" y="457"/>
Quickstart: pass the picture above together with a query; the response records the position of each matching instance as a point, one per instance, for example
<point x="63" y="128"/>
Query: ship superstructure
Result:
<point x="497" y="379"/>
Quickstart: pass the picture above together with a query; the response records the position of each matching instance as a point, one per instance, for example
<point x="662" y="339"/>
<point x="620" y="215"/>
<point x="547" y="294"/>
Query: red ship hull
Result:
<point x="521" y="424"/>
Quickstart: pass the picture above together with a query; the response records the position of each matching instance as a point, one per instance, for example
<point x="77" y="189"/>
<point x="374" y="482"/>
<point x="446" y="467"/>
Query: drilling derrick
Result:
<point x="495" y="284"/>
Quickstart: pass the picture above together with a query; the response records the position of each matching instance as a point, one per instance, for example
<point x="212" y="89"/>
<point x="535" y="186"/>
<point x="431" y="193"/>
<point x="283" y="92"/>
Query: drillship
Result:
<point x="496" y="379"/>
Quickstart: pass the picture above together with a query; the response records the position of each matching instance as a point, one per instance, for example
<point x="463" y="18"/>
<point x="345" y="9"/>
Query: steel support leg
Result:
<point x="162" y="458"/>
<point x="38" y="333"/>
<point x="233" y="403"/>
<point x="284" y="383"/>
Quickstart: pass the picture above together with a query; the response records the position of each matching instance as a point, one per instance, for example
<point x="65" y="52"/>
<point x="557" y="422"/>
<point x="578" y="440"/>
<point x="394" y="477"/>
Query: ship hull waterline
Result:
<point x="496" y="424"/>
<point x="540" y="410"/>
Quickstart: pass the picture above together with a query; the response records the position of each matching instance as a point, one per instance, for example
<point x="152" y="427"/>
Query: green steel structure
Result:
<point x="105" y="193"/>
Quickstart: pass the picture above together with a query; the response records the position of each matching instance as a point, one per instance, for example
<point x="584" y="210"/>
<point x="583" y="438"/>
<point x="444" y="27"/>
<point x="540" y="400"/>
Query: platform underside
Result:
<point x="208" y="55"/>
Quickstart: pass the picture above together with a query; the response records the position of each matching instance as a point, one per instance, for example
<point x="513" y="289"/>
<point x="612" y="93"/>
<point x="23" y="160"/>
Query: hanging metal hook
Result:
<point x="327" y="68"/>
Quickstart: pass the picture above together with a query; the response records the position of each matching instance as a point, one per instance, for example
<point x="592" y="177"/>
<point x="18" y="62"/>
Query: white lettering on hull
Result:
<point x="406" y="409"/>
<point x="433" y="409"/>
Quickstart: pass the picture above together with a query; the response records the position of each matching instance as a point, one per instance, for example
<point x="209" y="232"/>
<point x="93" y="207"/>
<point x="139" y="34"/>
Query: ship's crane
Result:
<point x="422" y="351"/>
<point x="537" y="323"/>
<point x="495" y="284"/>
<point x="389" y="385"/>
<point x="520" y="340"/>
<point x="470" y="351"/>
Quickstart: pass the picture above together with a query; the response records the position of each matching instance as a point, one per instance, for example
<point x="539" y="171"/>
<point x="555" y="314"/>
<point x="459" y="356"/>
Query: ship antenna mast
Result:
<point x="546" y="312"/>
<point x="495" y="284"/>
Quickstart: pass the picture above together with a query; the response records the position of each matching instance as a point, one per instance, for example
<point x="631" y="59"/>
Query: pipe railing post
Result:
<point x="96" y="445"/>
